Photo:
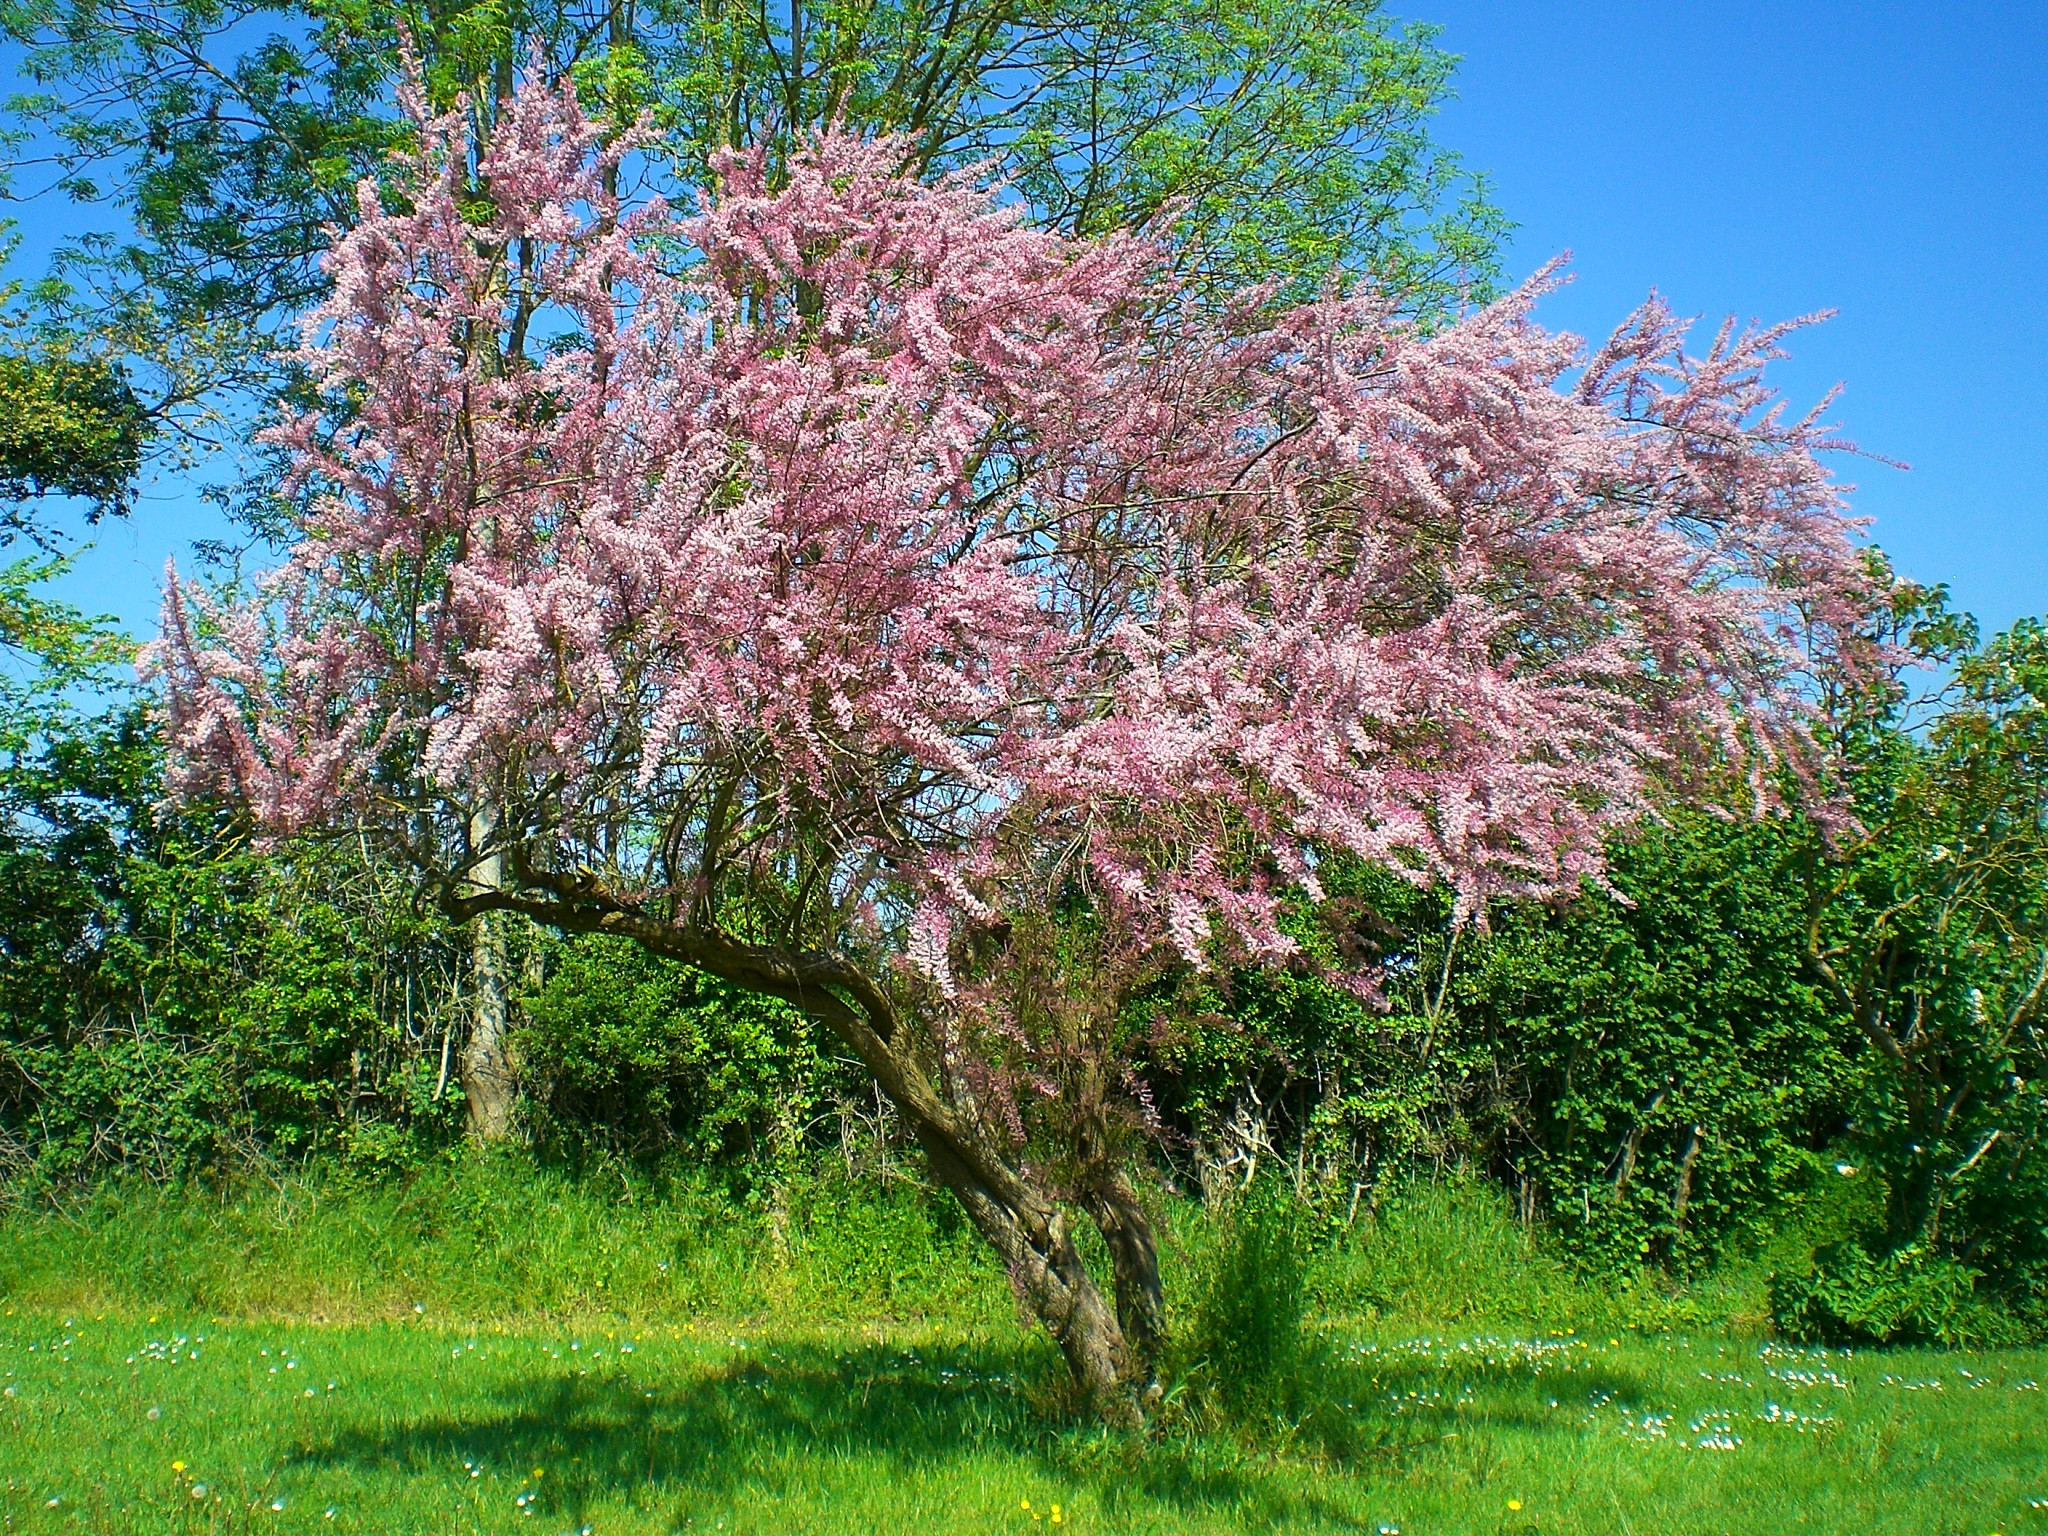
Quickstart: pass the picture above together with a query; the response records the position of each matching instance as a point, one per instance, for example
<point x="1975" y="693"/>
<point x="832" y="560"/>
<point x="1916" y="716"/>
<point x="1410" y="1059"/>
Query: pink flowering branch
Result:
<point x="827" y="586"/>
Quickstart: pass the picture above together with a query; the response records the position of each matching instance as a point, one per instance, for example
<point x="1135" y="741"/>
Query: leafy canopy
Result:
<point x="233" y="132"/>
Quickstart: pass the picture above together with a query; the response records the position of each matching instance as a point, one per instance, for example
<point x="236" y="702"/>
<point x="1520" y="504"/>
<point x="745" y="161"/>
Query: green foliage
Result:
<point x="1674" y="1068"/>
<point x="69" y="426"/>
<point x="226" y="156"/>
<point x="1598" y="1057"/>
<point x="1247" y="1343"/>
<point x="56" y="649"/>
<point x="1292" y="137"/>
<point x="171" y="997"/>
<point x="1908" y="1296"/>
<point x="648" y="1057"/>
<point x="1931" y="934"/>
<point x="170" y="1005"/>
<point x="1266" y="1066"/>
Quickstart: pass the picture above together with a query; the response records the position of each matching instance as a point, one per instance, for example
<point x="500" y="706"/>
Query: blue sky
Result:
<point x="1886" y="161"/>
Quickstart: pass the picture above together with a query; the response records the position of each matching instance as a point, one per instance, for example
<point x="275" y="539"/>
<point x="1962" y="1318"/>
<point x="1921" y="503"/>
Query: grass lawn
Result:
<point x="132" y="1423"/>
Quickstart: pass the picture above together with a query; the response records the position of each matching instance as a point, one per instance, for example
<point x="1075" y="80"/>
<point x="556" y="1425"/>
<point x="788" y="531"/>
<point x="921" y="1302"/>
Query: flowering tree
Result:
<point x="941" y="624"/>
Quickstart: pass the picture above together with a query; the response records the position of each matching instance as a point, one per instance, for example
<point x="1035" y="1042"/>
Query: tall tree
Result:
<point x="1291" y="135"/>
<point x="1929" y="928"/>
<point x="944" y="625"/>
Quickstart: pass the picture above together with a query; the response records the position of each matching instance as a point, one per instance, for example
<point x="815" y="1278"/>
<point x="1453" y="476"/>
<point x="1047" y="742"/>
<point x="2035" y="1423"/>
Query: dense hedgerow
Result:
<point x="175" y="1003"/>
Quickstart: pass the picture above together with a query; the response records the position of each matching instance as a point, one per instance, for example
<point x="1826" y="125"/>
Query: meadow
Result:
<point x="440" y="1357"/>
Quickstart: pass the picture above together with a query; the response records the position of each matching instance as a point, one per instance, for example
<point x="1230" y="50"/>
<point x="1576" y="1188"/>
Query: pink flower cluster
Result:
<point x="989" y="562"/>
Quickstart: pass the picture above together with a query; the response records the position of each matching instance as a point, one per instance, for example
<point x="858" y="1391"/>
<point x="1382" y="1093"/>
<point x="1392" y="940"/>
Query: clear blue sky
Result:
<point x="1886" y="161"/>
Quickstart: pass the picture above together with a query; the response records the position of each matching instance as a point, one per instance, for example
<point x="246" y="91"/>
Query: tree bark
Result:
<point x="1134" y="1258"/>
<point x="1681" y="1198"/>
<point x="489" y="1084"/>
<point x="1632" y="1144"/>
<point x="1036" y="1245"/>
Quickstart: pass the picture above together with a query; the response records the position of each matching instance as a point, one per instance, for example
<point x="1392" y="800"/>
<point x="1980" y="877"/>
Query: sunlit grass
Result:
<point x="124" y="1423"/>
<point x="497" y="1351"/>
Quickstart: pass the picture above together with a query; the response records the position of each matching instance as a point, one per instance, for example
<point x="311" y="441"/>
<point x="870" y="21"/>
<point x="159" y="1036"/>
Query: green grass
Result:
<point x="833" y="1362"/>
<point x="494" y="1238"/>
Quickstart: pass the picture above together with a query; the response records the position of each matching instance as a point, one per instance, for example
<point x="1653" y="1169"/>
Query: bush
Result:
<point x="1907" y="1296"/>
<point x="1251" y="1296"/>
<point x="625" y="1053"/>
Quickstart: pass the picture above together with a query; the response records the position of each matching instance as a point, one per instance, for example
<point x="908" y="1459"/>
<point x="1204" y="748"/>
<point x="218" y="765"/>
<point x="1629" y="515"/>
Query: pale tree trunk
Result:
<point x="488" y="1082"/>
<point x="1681" y="1198"/>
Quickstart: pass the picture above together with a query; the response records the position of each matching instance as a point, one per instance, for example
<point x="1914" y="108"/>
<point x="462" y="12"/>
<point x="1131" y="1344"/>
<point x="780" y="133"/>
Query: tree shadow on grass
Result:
<point x="1505" y="1393"/>
<point x="792" y="1416"/>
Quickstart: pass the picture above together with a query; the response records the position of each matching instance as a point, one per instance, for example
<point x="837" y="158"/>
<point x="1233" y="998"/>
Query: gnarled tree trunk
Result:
<point x="1134" y="1256"/>
<point x="1110" y="1352"/>
<point x="1036" y="1245"/>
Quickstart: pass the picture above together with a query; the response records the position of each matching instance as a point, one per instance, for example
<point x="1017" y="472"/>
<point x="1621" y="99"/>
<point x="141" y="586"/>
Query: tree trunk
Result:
<point x="1632" y="1143"/>
<point x="489" y="1085"/>
<point x="1036" y="1245"/>
<point x="1681" y="1198"/>
<point x="1134" y="1256"/>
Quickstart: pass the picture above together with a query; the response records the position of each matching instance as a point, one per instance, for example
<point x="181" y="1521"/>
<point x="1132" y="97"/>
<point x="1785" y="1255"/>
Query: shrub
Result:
<point x="1247" y="1337"/>
<point x="625" y="1052"/>
<point x="1907" y="1296"/>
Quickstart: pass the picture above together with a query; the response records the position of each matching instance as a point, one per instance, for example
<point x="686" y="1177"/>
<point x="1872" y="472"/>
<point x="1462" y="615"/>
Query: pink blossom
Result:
<point x="963" y="564"/>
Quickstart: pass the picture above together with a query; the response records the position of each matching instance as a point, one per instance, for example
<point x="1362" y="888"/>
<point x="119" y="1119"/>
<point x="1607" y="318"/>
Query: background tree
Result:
<point x="1930" y="931"/>
<point x="234" y="134"/>
<point x="941" y="625"/>
<point x="70" y="425"/>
